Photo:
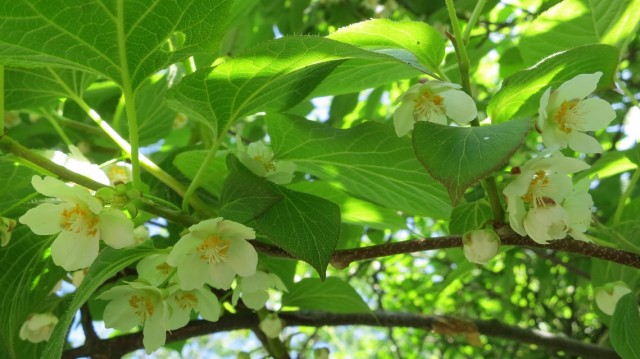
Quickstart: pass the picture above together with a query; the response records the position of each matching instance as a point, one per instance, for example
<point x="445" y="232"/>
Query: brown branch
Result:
<point x="118" y="346"/>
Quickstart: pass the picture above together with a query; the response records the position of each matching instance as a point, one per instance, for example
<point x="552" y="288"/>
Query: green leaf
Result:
<point x="331" y="295"/>
<point x="125" y="41"/>
<point x="27" y="278"/>
<point x="368" y="161"/>
<point x="626" y="326"/>
<point x="422" y="41"/>
<point x="189" y="162"/>
<point x="458" y="157"/>
<point x="109" y="262"/>
<point x="15" y="181"/>
<point x="246" y="196"/>
<point x="469" y="216"/>
<point x="353" y="210"/>
<point x="305" y="226"/>
<point x="573" y="23"/>
<point x="274" y="76"/>
<point x="33" y="88"/>
<point x="520" y="94"/>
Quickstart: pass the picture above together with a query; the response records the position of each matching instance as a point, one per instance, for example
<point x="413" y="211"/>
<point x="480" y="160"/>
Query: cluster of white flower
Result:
<point x="542" y="200"/>
<point x="258" y="158"/>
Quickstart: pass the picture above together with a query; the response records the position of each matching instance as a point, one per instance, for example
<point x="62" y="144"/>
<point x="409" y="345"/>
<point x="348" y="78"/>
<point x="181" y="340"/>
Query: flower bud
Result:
<point x="480" y="245"/>
<point x="38" y="327"/>
<point x="608" y="295"/>
<point x="271" y="325"/>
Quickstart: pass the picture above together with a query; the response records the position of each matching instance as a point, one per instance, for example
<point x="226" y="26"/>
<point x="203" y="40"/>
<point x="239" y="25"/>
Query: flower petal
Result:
<point x="118" y="314"/>
<point x="209" y="226"/>
<point x="185" y="246"/>
<point x="581" y="142"/>
<point x="595" y="114"/>
<point x="542" y="110"/>
<point x="459" y="106"/>
<point x="192" y="272"/>
<point x="45" y="219"/>
<point x="255" y="300"/>
<point x="208" y="305"/>
<point x="403" y="118"/>
<point x="73" y="251"/>
<point x="243" y="258"/>
<point x="577" y="88"/>
<point x="116" y="230"/>
<point x="220" y="275"/>
<point x="233" y="231"/>
<point x="154" y="333"/>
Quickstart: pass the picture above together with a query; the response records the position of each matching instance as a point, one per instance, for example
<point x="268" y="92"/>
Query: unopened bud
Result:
<point x="271" y="326"/>
<point x="6" y="227"/>
<point x="38" y="327"/>
<point x="481" y="245"/>
<point x="608" y="295"/>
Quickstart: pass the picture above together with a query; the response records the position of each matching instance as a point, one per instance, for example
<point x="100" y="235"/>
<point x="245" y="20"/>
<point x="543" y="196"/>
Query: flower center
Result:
<point x="426" y="104"/>
<point x="213" y="249"/>
<point x="266" y="162"/>
<point x="564" y="114"/>
<point x="186" y="301"/>
<point x="164" y="268"/>
<point x="538" y="182"/>
<point x="80" y="220"/>
<point x="142" y="306"/>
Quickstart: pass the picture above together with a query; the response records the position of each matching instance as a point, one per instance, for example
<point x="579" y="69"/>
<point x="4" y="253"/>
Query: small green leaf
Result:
<point x="573" y="23"/>
<point x="469" y="216"/>
<point x="520" y="94"/>
<point x="625" y="327"/>
<point x="33" y="88"/>
<point x="305" y="226"/>
<point x="368" y="161"/>
<point x="95" y="36"/>
<point x="331" y="295"/>
<point x="458" y="157"/>
<point x="108" y="263"/>
<point x="422" y="41"/>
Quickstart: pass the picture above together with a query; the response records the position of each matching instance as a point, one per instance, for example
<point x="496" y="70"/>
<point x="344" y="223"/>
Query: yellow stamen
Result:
<point x="80" y="220"/>
<point x="561" y="116"/>
<point x="186" y="301"/>
<point x="426" y="104"/>
<point x="538" y="180"/>
<point x="213" y="249"/>
<point x="142" y="306"/>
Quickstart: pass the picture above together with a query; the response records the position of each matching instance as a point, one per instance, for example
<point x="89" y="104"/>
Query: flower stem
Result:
<point x="622" y="201"/>
<point x="627" y="93"/>
<point x="458" y="41"/>
<point x="472" y="21"/>
<point x="197" y="179"/>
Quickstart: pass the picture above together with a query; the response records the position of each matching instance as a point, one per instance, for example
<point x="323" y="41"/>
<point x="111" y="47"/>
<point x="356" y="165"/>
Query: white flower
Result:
<point x="140" y="234"/>
<point x="253" y="289"/>
<point x="181" y="303"/>
<point x="154" y="269"/>
<point x="38" y="327"/>
<point x="539" y="182"/>
<point x="213" y="252"/>
<point x="258" y="158"/>
<point x="607" y="296"/>
<point x="136" y="304"/>
<point x="545" y="223"/>
<point x="81" y="221"/>
<point x="433" y="101"/>
<point x="6" y="227"/>
<point x="271" y="325"/>
<point x="578" y="205"/>
<point x="118" y="172"/>
<point x="565" y="114"/>
<point x="77" y="277"/>
<point x="481" y="245"/>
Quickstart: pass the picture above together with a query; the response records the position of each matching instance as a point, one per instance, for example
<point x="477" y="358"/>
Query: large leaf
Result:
<point x="469" y="216"/>
<point x="109" y="262"/>
<point x="15" y="181"/>
<point x="125" y="41"/>
<point x="626" y="326"/>
<point x="314" y="294"/>
<point x="520" y="94"/>
<point x="26" y="279"/>
<point x="272" y="77"/>
<point x="33" y="88"/>
<point x="573" y="23"/>
<point x="189" y="162"/>
<point x="305" y="226"/>
<point x="386" y="36"/>
<point x="460" y="156"/>
<point x="353" y="210"/>
<point x="368" y="161"/>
